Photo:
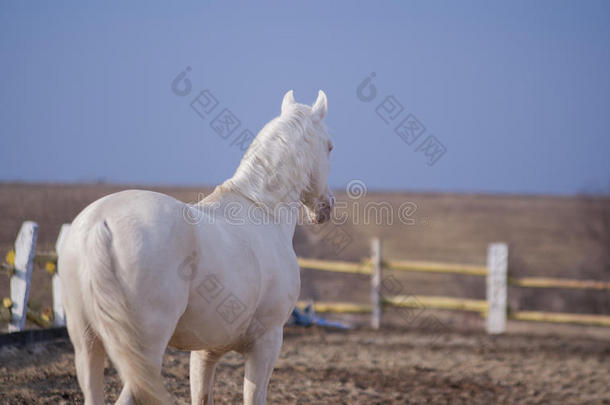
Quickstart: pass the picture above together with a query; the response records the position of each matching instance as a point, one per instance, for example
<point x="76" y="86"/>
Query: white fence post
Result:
<point x="497" y="266"/>
<point x="376" y="283"/>
<point x="59" y="316"/>
<point x="25" y="248"/>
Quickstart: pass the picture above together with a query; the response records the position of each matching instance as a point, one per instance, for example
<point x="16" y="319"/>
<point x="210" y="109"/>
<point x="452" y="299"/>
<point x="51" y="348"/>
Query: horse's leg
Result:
<point x="202" y="368"/>
<point x="156" y="352"/>
<point x="89" y="356"/>
<point x="260" y="359"/>
<point x="155" y="338"/>
<point x="125" y="397"/>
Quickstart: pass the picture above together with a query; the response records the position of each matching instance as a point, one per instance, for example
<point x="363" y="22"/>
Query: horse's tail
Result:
<point x="111" y="318"/>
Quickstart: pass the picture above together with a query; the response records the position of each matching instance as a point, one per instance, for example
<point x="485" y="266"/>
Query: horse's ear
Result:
<point x="320" y="107"/>
<point x="288" y="100"/>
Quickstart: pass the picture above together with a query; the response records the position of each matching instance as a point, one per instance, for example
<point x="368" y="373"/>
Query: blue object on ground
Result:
<point x="308" y="317"/>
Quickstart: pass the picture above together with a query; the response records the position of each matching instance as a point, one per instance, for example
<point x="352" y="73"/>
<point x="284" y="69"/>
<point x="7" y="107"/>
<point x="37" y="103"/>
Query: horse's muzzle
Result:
<point x="324" y="210"/>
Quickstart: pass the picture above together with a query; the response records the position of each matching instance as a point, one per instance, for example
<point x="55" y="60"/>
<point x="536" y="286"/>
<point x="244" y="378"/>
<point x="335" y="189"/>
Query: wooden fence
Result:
<point x="20" y="262"/>
<point x="494" y="307"/>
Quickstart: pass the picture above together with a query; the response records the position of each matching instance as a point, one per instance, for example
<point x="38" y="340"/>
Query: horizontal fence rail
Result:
<point x="434" y="302"/>
<point x="338" y="266"/>
<point x="557" y="317"/>
<point x="338" y="307"/>
<point x="544" y="282"/>
<point x="459" y="304"/>
<point x="434" y="267"/>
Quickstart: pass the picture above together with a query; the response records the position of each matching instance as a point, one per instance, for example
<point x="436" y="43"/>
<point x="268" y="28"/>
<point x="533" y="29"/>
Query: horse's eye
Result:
<point x="330" y="147"/>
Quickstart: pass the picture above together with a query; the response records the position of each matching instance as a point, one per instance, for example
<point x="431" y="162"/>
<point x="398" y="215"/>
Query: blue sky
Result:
<point x="517" y="93"/>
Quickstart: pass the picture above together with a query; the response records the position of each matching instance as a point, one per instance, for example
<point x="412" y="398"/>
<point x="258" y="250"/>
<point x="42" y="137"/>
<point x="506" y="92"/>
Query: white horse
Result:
<point x="140" y="274"/>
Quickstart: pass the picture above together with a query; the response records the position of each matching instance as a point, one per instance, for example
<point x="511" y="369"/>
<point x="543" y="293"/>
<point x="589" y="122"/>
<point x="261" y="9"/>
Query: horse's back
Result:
<point x="148" y="238"/>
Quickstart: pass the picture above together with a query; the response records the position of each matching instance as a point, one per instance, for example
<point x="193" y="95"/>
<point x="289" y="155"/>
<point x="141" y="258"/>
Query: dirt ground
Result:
<point x="396" y="365"/>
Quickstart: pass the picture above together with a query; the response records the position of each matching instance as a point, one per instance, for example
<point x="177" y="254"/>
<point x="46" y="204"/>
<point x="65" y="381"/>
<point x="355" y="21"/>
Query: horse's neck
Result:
<point x="284" y="215"/>
<point x="276" y="167"/>
<point x="268" y="187"/>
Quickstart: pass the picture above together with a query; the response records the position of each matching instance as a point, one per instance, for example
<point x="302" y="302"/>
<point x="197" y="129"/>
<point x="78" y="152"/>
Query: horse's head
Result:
<point x="316" y="196"/>
<point x="288" y="161"/>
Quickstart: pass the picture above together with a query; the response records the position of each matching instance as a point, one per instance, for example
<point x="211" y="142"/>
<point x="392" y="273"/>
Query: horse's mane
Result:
<point x="278" y="165"/>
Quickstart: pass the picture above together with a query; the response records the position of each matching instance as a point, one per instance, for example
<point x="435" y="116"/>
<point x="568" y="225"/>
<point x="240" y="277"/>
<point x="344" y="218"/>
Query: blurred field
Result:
<point x="547" y="236"/>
